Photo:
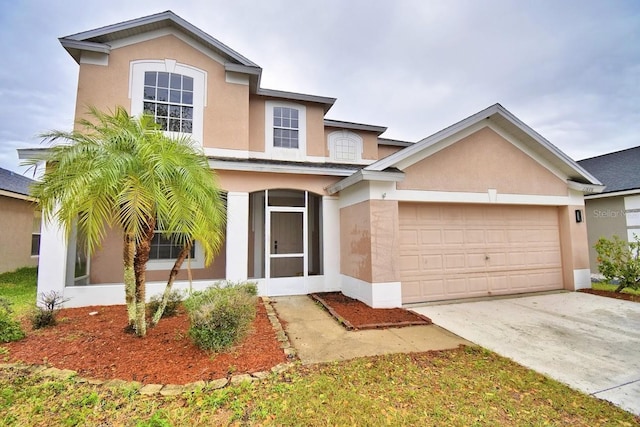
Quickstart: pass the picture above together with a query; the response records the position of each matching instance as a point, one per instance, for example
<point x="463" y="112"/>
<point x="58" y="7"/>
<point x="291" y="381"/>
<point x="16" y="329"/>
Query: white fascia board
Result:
<point x="244" y="69"/>
<point x="83" y="45"/>
<point x="275" y="168"/>
<point x="354" y="126"/>
<point x="612" y="194"/>
<point x="32" y="153"/>
<point x="294" y="96"/>
<point x="18" y="196"/>
<point x="365" y="175"/>
<point x="585" y="188"/>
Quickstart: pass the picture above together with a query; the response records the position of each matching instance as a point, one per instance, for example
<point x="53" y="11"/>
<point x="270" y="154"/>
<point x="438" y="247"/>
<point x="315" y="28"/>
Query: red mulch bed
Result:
<point x="611" y="294"/>
<point x="354" y="314"/>
<point x="97" y="347"/>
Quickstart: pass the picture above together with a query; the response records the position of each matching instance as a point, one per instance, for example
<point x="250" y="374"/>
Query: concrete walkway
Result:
<point x="318" y="337"/>
<point x="588" y="342"/>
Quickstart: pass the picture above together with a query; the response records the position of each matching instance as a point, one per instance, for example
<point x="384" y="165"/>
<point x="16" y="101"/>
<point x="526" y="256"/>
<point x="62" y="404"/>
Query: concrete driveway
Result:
<point x="590" y="343"/>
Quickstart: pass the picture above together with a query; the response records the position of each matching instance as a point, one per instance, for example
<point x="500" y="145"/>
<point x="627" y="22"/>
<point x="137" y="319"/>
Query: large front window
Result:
<point x="165" y="249"/>
<point x="169" y="98"/>
<point x="285" y="127"/>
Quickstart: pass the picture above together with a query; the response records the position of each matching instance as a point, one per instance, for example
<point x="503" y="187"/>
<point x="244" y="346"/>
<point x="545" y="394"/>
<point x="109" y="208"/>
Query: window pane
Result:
<point x="293" y="113"/>
<point x="294" y="123"/>
<point x="150" y="108"/>
<point x="174" y="125"/>
<point x="187" y="126"/>
<point x="187" y="98"/>
<point x="162" y="122"/>
<point x="174" y="96"/>
<point x="35" y="244"/>
<point x="163" y="79"/>
<point x="164" y="252"/>
<point x="176" y="81"/>
<point x="187" y="83"/>
<point x="162" y="110"/>
<point x="163" y="95"/>
<point x="149" y="92"/>
<point x="187" y="113"/>
<point x="174" y="111"/>
<point x="150" y="78"/>
<point x="286" y="123"/>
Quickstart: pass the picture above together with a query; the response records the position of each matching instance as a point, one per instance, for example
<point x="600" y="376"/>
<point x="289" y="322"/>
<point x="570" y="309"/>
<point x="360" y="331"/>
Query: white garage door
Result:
<point x="463" y="251"/>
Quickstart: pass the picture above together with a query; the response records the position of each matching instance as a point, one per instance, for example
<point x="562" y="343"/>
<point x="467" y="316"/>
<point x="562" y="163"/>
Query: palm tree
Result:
<point x="122" y="171"/>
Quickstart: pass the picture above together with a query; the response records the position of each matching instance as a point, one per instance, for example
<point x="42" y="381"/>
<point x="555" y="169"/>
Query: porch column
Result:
<point x="52" y="264"/>
<point x="331" y="242"/>
<point x="237" y="235"/>
<point x="575" y="248"/>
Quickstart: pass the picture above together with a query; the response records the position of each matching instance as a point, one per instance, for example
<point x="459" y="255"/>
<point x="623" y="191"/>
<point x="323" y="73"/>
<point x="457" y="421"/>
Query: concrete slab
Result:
<point x="319" y="338"/>
<point x="588" y="342"/>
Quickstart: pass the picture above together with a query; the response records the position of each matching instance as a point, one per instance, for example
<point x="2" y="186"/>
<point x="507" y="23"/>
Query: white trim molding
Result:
<point x="376" y="295"/>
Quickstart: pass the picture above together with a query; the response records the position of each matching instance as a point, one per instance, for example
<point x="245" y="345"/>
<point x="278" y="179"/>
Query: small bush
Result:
<point x="619" y="261"/>
<point x="221" y="315"/>
<point x="10" y="329"/>
<point x="171" y="309"/>
<point x="49" y="305"/>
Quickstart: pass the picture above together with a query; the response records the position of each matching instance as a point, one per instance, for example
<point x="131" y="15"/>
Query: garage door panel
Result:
<point x="467" y="251"/>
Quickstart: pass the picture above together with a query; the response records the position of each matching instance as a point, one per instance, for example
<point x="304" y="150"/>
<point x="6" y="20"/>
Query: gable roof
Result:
<point x="619" y="171"/>
<point x="12" y="182"/>
<point x="500" y="118"/>
<point x="98" y="40"/>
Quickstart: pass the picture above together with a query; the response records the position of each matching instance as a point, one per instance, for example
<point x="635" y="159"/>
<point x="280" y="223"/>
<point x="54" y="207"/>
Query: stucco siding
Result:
<point x="605" y="217"/>
<point x="258" y="181"/>
<point x="355" y="241"/>
<point x="225" y="121"/>
<point x="482" y="161"/>
<point x="16" y="226"/>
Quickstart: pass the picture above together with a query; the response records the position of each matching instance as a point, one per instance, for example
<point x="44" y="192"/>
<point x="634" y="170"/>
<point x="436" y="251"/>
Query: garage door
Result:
<point x="462" y="251"/>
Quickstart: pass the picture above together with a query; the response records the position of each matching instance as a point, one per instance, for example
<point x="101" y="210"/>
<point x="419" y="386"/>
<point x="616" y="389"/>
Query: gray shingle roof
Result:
<point x="14" y="182"/>
<point x="619" y="170"/>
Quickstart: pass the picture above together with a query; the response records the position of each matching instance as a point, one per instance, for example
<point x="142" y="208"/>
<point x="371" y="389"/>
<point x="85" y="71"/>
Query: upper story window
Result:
<point x="169" y="98"/>
<point x="285" y="131"/>
<point x="174" y="93"/>
<point x="345" y="146"/>
<point x="285" y="127"/>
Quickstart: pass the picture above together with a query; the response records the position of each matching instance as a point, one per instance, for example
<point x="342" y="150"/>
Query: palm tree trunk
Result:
<point x="172" y="277"/>
<point x="139" y="265"/>
<point x="130" y="279"/>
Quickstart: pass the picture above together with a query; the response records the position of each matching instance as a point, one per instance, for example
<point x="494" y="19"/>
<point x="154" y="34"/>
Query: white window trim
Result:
<point x="279" y="153"/>
<point x="341" y="135"/>
<point x="136" y="90"/>
<point x="167" y="264"/>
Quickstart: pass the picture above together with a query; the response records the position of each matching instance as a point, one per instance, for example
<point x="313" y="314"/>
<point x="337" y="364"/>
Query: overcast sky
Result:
<point x="568" y="69"/>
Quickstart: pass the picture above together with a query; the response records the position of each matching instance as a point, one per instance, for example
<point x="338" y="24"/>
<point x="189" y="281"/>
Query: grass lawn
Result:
<point x="602" y="286"/>
<point x="464" y="387"/>
<point x="19" y="287"/>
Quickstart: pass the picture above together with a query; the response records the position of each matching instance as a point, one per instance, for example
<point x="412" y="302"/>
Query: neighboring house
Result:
<point x="615" y="211"/>
<point x="484" y="207"/>
<point x="19" y="223"/>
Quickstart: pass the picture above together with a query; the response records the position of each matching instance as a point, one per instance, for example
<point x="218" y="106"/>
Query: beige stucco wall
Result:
<point x="258" y="181"/>
<point x="573" y="244"/>
<point x="387" y="150"/>
<point x="482" y="161"/>
<point x="369" y="239"/>
<point x="16" y="226"/>
<point x="605" y="217"/>
<point x="226" y="114"/>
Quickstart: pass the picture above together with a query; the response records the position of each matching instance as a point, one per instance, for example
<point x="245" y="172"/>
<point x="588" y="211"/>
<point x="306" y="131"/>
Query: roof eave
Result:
<point x="294" y="96"/>
<point x="365" y="175"/>
<point x="355" y="126"/>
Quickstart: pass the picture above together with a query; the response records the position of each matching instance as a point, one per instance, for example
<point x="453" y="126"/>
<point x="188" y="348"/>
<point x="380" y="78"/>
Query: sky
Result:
<point x="568" y="69"/>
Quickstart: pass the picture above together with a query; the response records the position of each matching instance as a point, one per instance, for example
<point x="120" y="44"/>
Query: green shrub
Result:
<point x="221" y="315"/>
<point x="45" y="313"/>
<point x="10" y="329"/>
<point x="619" y="261"/>
<point x="171" y="309"/>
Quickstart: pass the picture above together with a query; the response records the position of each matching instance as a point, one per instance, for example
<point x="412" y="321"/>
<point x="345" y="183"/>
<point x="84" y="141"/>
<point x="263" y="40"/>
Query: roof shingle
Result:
<point x="14" y="182"/>
<point x="619" y="170"/>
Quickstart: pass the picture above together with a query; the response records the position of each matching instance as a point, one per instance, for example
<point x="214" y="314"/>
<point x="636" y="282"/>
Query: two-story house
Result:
<point x="484" y="207"/>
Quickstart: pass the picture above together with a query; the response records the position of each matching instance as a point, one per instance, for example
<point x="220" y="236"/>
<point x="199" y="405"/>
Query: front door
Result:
<point x="285" y="251"/>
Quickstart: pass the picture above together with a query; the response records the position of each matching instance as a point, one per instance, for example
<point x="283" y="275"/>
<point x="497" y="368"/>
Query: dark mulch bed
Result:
<point x="354" y="314"/>
<point x="611" y="294"/>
